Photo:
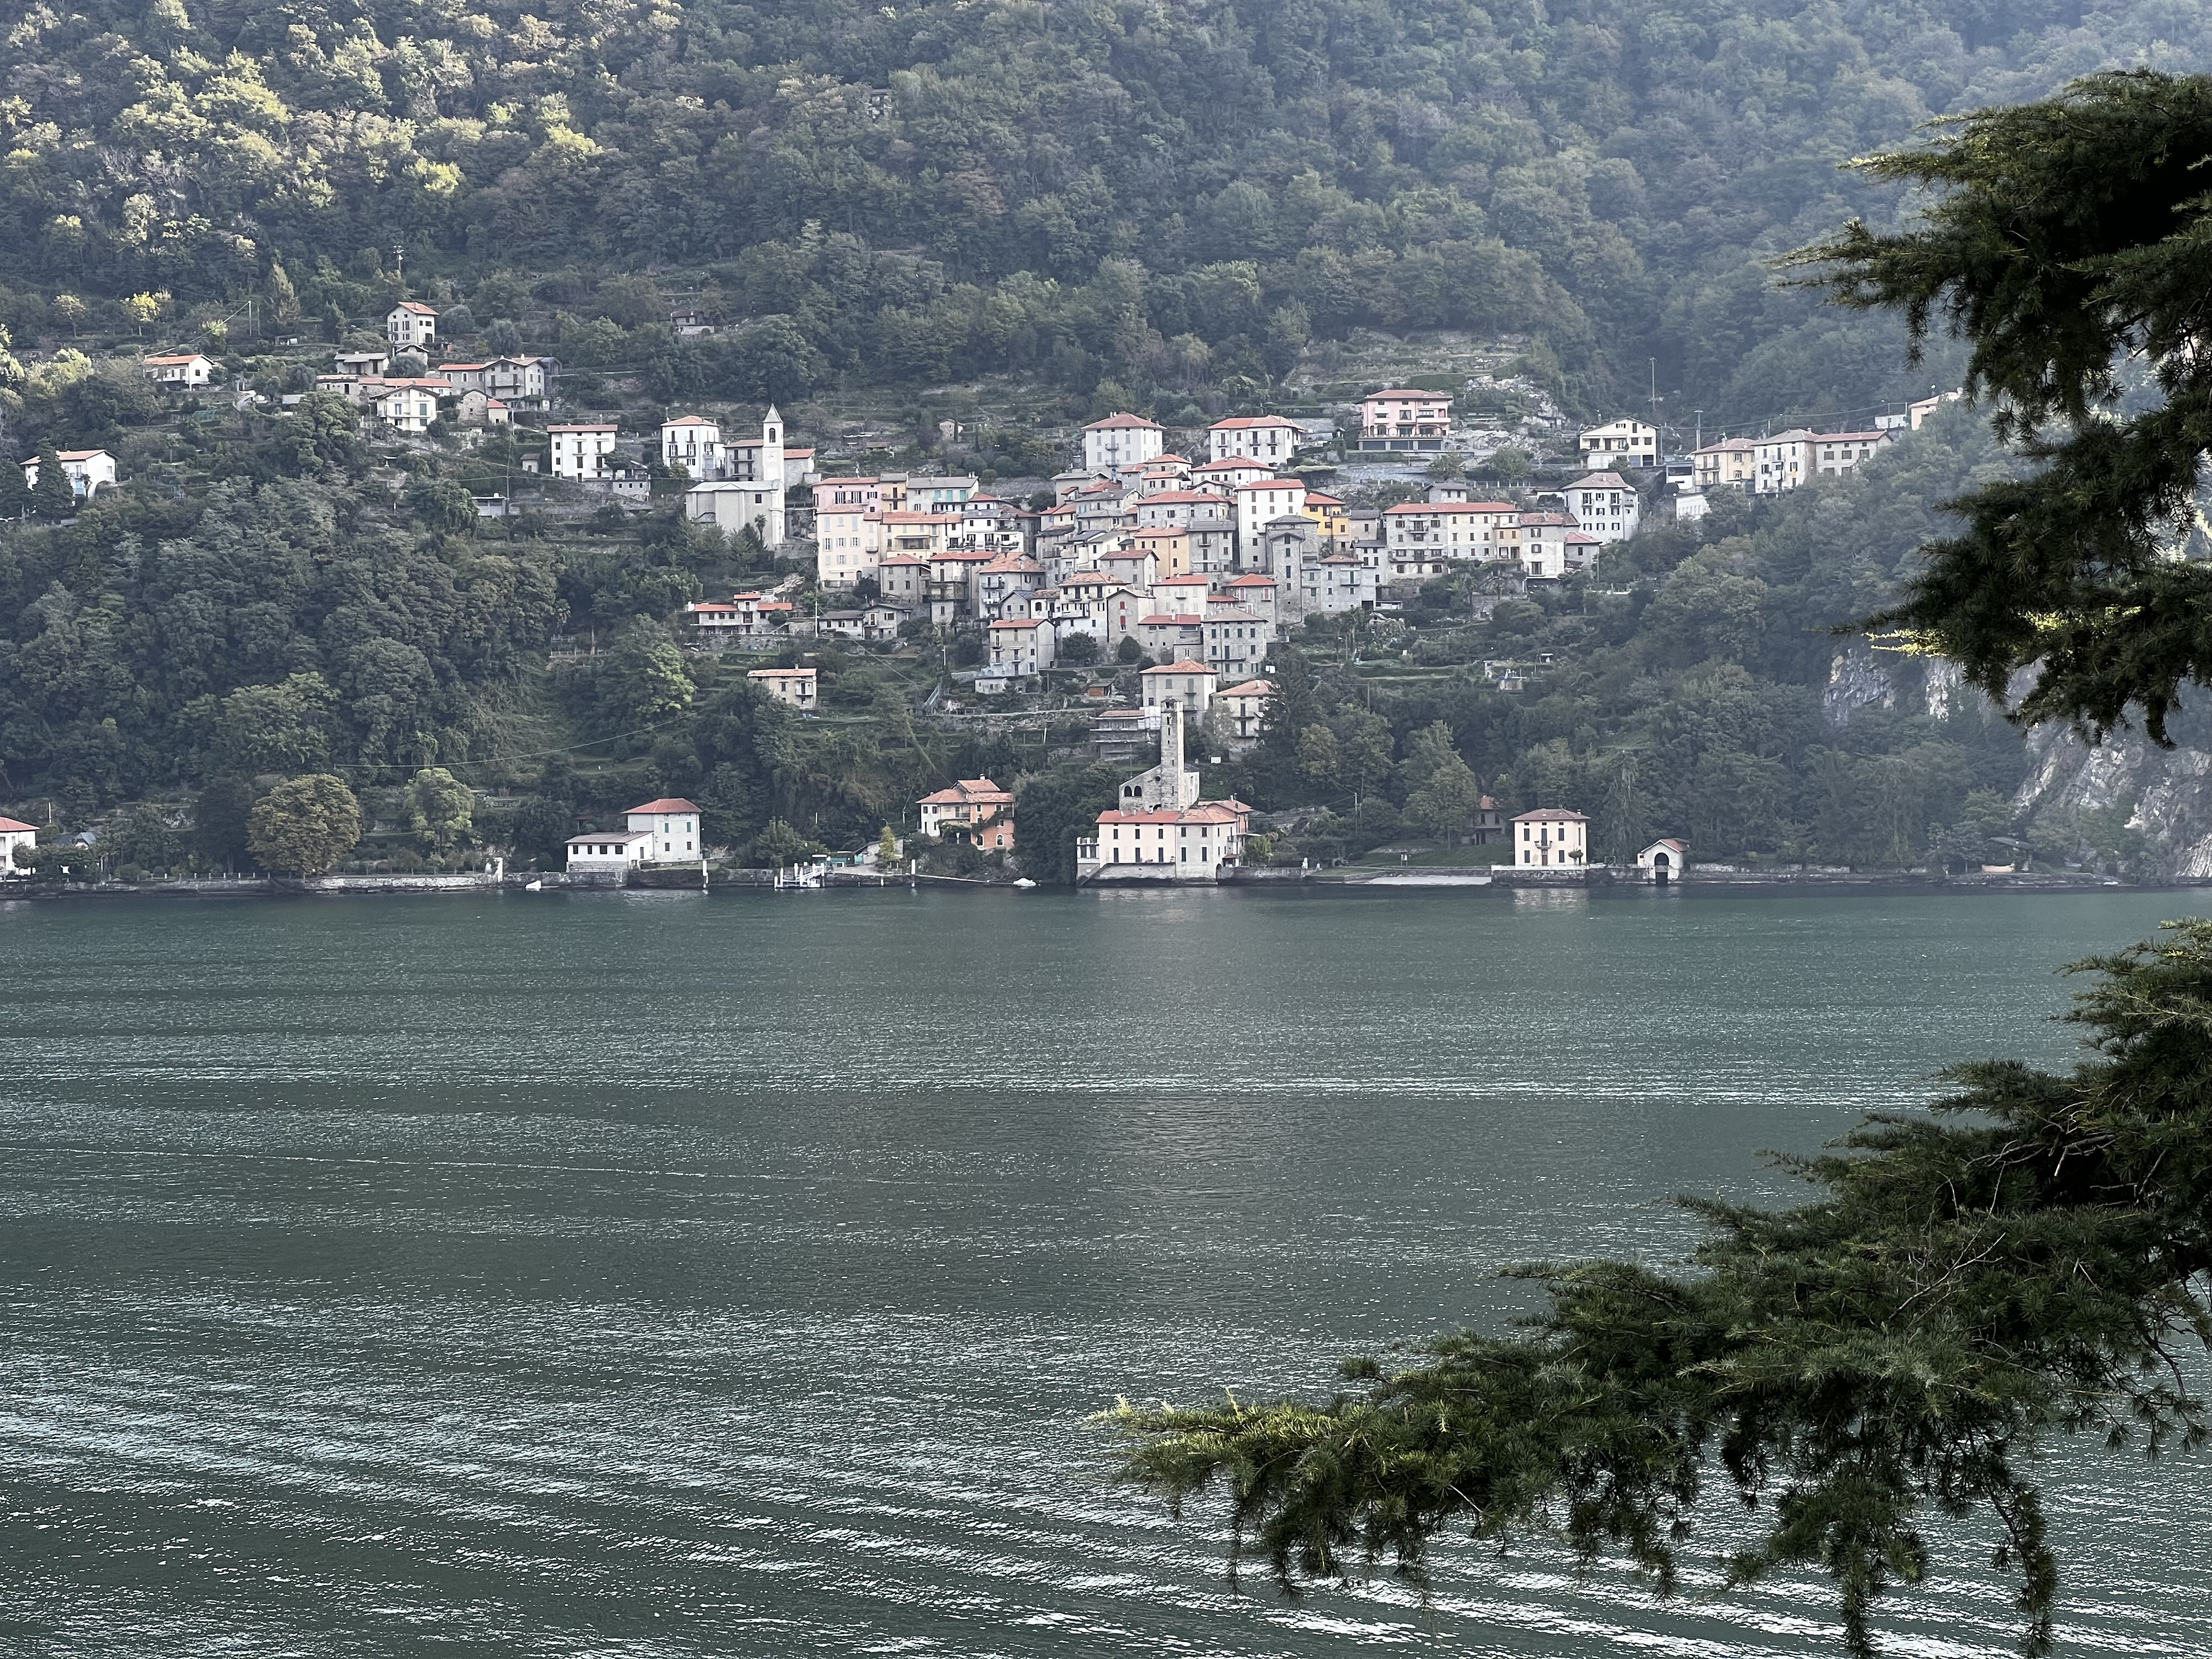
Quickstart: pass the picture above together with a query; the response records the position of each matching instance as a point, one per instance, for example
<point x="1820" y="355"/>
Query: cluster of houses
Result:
<point x="488" y="392"/>
<point x="1770" y="465"/>
<point x="1208" y="561"/>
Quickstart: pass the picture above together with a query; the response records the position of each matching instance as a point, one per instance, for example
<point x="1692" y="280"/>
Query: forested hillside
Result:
<point x="1170" y="195"/>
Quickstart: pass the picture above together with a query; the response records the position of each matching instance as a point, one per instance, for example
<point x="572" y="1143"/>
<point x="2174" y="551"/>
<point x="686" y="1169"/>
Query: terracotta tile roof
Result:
<point x="1411" y="508"/>
<point x="667" y="804"/>
<point x="16" y="826"/>
<point x="1551" y="815"/>
<point x="1205" y="812"/>
<point x="1114" y="422"/>
<point x="1186" y="666"/>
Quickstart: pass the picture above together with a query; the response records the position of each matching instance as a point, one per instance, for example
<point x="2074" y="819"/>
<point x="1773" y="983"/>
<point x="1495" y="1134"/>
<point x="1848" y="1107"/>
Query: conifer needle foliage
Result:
<point x="2070" y="244"/>
<point x="1862" y="1372"/>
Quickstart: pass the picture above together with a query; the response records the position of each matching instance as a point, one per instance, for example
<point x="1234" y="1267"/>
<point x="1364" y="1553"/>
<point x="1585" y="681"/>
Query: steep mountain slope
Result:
<point x="1606" y="179"/>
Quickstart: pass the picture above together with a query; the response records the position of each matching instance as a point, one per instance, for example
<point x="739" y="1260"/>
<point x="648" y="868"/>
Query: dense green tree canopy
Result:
<point x="1133" y="187"/>
<point x="305" y="824"/>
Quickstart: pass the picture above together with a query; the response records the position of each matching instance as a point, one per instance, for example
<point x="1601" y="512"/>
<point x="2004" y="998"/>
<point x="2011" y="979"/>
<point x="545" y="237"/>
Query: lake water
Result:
<point x="657" y="1275"/>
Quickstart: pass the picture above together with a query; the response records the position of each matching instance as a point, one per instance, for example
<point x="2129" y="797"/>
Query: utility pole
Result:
<point x="1701" y="429"/>
<point x="1654" y="362"/>
<point x="399" y="266"/>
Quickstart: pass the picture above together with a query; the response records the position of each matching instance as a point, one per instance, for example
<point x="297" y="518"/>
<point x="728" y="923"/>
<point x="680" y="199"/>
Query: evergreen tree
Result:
<point x="52" y="496"/>
<point x="2070" y="239"/>
<point x="14" y="493"/>
<point x="221" y="824"/>
<point x="1892" y="1356"/>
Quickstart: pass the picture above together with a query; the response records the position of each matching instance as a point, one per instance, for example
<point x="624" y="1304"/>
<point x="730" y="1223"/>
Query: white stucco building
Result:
<point x="794" y="687"/>
<point x="410" y="326"/>
<point x="1020" y="646"/>
<point x="89" y="470"/>
<point x="1603" y="505"/>
<point x="410" y="406"/>
<point x="15" y="836"/>
<point x="186" y="370"/>
<point x="607" y="852"/>
<point x="694" y="443"/>
<point x="1551" y="837"/>
<point x="582" y="450"/>
<point x="1122" y="440"/>
<point x="752" y="495"/>
<point x="1457" y="531"/>
<point x="1620" y="443"/>
<point x="1270" y="439"/>
<point x="1189" y="683"/>
<point x="1257" y="504"/>
<point x="671" y="825"/>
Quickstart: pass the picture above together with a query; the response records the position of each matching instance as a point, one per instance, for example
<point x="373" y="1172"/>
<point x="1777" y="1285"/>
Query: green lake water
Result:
<point x="625" y="1274"/>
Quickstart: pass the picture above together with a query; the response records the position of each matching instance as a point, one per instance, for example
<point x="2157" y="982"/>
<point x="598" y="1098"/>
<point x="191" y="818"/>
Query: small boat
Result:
<point x="533" y="887"/>
<point x="1023" y="884"/>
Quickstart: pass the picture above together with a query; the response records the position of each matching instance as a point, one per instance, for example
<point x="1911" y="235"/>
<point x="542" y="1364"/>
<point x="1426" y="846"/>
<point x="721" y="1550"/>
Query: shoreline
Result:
<point x="1401" y="879"/>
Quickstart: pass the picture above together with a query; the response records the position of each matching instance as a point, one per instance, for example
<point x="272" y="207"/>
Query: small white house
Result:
<point x="1019" y="648"/>
<point x="1272" y="439"/>
<point x="694" y="443"/>
<point x="1620" y="443"/>
<point x="671" y="827"/>
<point x="410" y="324"/>
<point x="1246" y="708"/>
<point x="1604" y="505"/>
<point x="1122" y="440"/>
<point x="89" y="470"/>
<point x="608" y="851"/>
<point x="186" y="370"/>
<point x="1553" y="838"/>
<point x="795" y="687"/>
<point x="1664" y="860"/>
<point x="15" y="837"/>
<point x="1189" y="682"/>
<point x="581" y="451"/>
<point x="410" y="406"/>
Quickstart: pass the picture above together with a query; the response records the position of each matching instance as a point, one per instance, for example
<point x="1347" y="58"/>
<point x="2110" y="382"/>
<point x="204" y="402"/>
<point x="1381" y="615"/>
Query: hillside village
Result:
<point x="1164" y="581"/>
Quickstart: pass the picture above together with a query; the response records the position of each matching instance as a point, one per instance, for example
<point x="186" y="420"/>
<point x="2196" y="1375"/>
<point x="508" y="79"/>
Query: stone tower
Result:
<point x="771" y="460"/>
<point x="1170" y="786"/>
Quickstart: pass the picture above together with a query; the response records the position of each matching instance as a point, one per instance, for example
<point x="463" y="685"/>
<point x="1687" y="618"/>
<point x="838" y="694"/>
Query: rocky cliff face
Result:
<point x="2168" y="794"/>
<point x="2159" y="800"/>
